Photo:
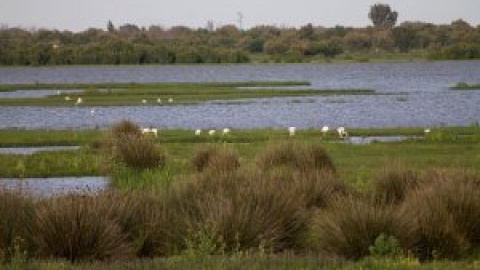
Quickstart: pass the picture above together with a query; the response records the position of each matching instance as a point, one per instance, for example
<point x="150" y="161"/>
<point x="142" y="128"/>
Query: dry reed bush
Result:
<point x="350" y="225"/>
<point x="138" y="152"/>
<point x="391" y="185"/>
<point x="78" y="228"/>
<point x="235" y="211"/>
<point x="137" y="215"/>
<point x="447" y="214"/>
<point x="125" y="127"/>
<point x="17" y="219"/>
<point x="297" y="156"/>
<point x="215" y="158"/>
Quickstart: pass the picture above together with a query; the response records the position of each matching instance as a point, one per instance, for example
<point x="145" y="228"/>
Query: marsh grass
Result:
<point x="295" y="156"/>
<point x="17" y="215"/>
<point x="447" y="212"/>
<point x="350" y="226"/>
<point x="77" y="228"/>
<point x="215" y="158"/>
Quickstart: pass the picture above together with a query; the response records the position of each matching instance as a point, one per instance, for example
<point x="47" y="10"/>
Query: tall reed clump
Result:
<point x="126" y="144"/>
<point x="233" y="211"/>
<point x="79" y="228"/>
<point x="350" y="226"/>
<point x="296" y="156"/>
<point x="392" y="185"/>
<point x="447" y="215"/>
<point x="214" y="158"/>
<point x="17" y="218"/>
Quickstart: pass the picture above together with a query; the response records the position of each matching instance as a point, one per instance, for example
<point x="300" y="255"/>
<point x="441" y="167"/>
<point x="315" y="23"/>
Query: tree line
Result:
<point x="131" y="44"/>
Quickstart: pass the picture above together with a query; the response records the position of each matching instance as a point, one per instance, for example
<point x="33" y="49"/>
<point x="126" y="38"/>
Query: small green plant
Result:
<point x="385" y="246"/>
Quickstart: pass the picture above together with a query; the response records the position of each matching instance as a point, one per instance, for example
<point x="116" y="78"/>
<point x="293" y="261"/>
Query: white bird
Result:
<point x="59" y="92"/>
<point x="342" y="132"/>
<point x="79" y="101"/>
<point x="159" y="100"/>
<point x="92" y="112"/>
<point x="426" y="131"/>
<point x="144" y="101"/>
<point x="198" y="132"/>
<point x="67" y="98"/>
<point x="325" y="130"/>
<point x="211" y="132"/>
<point x="170" y="100"/>
<point x="225" y="131"/>
<point x="149" y="130"/>
<point x="291" y="131"/>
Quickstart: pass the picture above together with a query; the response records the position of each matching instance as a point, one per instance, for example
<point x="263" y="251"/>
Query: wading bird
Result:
<point x="149" y="130"/>
<point x="325" y="130"/>
<point x="211" y="132"/>
<point x="342" y="132"/>
<point x="291" y="131"/>
<point x="198" y="132"/>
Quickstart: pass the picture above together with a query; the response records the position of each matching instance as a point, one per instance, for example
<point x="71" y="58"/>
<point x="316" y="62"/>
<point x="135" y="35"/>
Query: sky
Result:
<point x="79" y="15"/>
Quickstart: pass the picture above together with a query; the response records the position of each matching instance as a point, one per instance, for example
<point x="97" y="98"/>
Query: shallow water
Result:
<point x="35" y="93"/>
<point x="33" y="150"/>
<point x="45" y="187"/>
<point x="375" y="139"/>
<point x="412" y="95"/>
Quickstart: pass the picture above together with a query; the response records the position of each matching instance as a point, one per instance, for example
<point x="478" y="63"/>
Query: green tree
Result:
<point x="383" y="16"/>
<point x="110" y="27"/>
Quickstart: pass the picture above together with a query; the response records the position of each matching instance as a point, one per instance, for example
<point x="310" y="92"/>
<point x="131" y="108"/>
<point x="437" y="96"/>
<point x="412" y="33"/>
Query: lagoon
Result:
<point x="411" y="95"/>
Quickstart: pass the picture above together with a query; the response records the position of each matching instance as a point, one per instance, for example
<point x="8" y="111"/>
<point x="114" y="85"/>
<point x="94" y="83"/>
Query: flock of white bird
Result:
<point x="342" y="131"/>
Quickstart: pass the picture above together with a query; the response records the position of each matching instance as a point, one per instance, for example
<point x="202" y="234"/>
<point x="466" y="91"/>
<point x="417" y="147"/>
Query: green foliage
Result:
<point x="382" y="16"/>
<point x="385" y="246"/>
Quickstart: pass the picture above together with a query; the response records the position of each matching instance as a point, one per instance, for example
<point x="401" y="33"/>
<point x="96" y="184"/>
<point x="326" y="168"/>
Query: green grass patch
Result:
<point x="159" y="94"/>
<point x="466" y="86"/>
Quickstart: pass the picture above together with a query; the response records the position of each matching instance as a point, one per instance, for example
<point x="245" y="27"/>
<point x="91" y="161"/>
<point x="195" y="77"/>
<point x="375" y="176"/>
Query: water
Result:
<point x="375" y="139"/>
<point x="35" y="93"/>
<point x="45" y="187"/>
<point x="412" y="95"/>
<point x="33" y="150"/>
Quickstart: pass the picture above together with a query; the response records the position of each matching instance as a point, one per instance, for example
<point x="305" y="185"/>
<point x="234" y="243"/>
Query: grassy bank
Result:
<point x="455" y="147"/>
<point x="159" y="94"/>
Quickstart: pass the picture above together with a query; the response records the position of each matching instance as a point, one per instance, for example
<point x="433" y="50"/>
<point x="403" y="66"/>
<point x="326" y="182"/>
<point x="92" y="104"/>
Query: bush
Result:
<point x="393" y="183"/>
<point x="78" y="228"/>
<point x="290" y="155"/>
<point x="215" y="158"/>
<point x="229" y="212"/>
<point x="138" y="152"/>
<point x="350" y="226"/>
<point x="125" y="128"/>
<point x="17" y="215"/>
<point x="447" y="213"/>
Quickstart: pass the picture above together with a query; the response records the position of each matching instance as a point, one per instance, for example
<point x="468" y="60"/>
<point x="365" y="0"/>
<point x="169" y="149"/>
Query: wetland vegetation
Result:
<point x="250" y="199"/>
<point x="148" y="94"/>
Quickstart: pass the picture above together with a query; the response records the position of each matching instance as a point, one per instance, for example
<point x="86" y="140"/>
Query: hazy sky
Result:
<point x="78" y="15"/>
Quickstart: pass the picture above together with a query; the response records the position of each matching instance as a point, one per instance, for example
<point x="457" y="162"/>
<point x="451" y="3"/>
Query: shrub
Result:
<point x="447" y="213"/>
<point x="295" y="156"/>
<point x="77" y="228"/>
<point x="350" y="226"/>
<point x="228" y="212"/>
<point x="393" y="183"/>
<point x="138" y="152"/>
<point x="17" y="215"/>
<point x="215" y="158"/>
<point x="125" y="127"/>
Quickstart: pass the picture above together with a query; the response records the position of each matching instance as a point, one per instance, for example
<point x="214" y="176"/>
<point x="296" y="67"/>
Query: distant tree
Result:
<point x="382" y="16"/>
<point x="110" y="27"/>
